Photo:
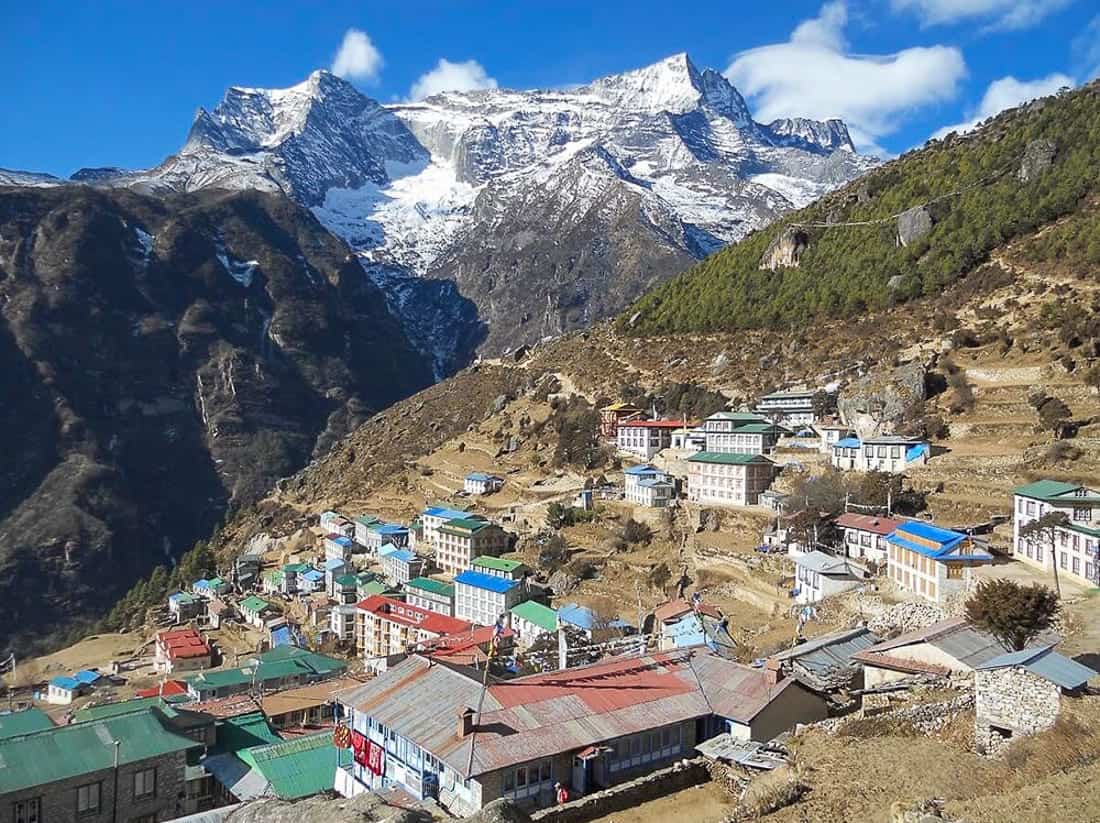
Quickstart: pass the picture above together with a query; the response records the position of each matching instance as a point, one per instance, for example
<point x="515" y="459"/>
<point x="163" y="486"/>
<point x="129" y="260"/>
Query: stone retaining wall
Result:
<point x="681" y="775"/>
<point x="1012" y="699"/>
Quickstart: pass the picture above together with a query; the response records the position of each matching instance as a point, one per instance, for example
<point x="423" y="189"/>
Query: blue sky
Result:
<point x="117" y="83"/>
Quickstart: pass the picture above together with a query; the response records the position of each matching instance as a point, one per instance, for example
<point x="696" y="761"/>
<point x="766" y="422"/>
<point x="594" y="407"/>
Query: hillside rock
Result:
<point x="165" y="361"/>
<point x="786" y="249"/>
<point x="913" y="224"/>
<point x="1038" y="156"/>
<point x="365" y="808"/>
<point x="882" y="398"/>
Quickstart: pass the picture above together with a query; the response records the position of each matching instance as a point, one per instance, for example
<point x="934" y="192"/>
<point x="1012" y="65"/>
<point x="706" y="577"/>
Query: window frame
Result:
<point x="141" y="774"/>
<point x="27" y="810"/>
<point x="89" y="811"/>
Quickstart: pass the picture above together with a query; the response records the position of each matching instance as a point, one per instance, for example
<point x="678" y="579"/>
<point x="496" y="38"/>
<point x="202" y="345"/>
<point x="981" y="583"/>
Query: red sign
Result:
<point x="375" y="754"/>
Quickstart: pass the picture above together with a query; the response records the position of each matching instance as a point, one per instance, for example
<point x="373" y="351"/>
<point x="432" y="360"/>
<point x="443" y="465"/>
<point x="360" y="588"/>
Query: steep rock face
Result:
<point x="882" y="398"/>
<point x="471" y="187"/>
<point x="164" y="362"/>
<point x="786" y="249"/>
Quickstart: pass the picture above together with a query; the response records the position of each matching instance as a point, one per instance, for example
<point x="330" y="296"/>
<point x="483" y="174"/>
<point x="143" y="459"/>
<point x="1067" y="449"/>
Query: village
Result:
<point x="458" y="655"/>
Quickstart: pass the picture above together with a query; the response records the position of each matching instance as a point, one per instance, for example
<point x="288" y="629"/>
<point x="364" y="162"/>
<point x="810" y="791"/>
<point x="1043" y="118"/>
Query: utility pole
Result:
<point x="114" y="793"/>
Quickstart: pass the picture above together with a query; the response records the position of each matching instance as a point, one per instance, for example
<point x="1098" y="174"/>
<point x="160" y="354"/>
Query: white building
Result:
<point x="647" y="485"/>
<point x="433" y="595"/>
<point x="891" y="454"/>
<point x="433" y="517"/>
<point x="819" y="575"/>
<point x="342" y="622"/>
<point x="865" y="535"/>
<point x="792" y="408"/>
<point x="482" y="483"/>
<point x="362" y="526"/>
<point x="482" y="598"/>
<point x="740" y="433"/>
<point x="401" y="566"/>
<point x="932" y="562"/>
<point x="728" y="479"/>
<point x="689" y="439"/>
<point x="644" y="438"/>
<point x="831" y="434"/>
<point x="531" y="620"/>
<point x="335" y="523"/>
<point x="1076" y="545"/>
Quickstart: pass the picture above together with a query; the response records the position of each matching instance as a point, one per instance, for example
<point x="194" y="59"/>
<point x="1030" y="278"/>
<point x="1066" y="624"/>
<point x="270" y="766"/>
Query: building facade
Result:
<point x="611" y="416"/>
<point x="433" y="595"/>
<point x="931" y="562"/>
<point x="865" y="535"/>
<point x="386" y="629"/>
<point x="819" y="575"/>
<point x="1076" y="545"/>
<point x="719" y="479"/>
<point x="792" y="408"/>
<point x="891" y="454"/>
<point x="180" y="650"/>
<point x="644" y="438"/>
<point x="483" y="598"/>
<point x="401" y="566"/>
<point x="460" y="540"/>
<point x="481" y="483"/>
<point x="647" y="486"/>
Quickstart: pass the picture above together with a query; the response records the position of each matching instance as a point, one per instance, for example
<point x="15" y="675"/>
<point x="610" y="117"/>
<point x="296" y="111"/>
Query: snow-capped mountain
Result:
<point x="547" y="208"/>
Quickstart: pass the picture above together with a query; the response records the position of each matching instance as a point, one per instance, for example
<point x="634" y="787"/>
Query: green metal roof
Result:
<point x="542" y="616"/>
<point x="347" y="580"/>
<point x="296" y="568"/>
<point x="66" y="752"/>
<point x="373" y="587"/>
<point x="24" y="722"/>
<point x="295" y="768"/>
<point x="728" y="459"/>
<point x="433" y="586"/>
<point x="498" y="563"/>
<point x="280" y="662"/>
<point x="122" y="707"/>
<point x="1046" y="489"/>
<point x="254" y="603"/>
<point x="244" y="732"/>
<point x="760" y="428"/>
<point x="465" y="523"/>
<point x="367" y="519"/>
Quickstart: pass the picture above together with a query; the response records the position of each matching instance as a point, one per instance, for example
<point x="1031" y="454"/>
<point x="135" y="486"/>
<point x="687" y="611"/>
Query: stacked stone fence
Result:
<point x="681" y="775"/>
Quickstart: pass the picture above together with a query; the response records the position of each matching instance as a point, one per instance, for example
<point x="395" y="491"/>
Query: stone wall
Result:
<point x="680" y="775"/>
<point x="1012" y="699"/>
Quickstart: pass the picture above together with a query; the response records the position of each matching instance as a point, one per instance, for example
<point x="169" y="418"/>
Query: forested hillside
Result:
<point x="954" y="202"/>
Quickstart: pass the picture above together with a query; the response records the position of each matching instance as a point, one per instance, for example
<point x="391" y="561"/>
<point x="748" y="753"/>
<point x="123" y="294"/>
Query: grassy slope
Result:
<point x="846" y="268"/>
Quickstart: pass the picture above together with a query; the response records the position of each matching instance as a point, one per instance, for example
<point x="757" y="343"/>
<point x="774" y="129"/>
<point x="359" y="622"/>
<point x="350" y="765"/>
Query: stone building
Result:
<point x="1020" y="693"/>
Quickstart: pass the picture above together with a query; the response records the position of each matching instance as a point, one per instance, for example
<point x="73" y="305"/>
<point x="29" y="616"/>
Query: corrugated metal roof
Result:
<point x="542" y="616"/>
<point x="29" y="720"/>
<point x="429" y="585"/>
<point x="728" y="459"/>
<point x="826" y="564"/>
<point x="490" y="582"/>
<point x="955" y="637"/>
<point x="1048" y="664"/>
<point x="541" y="715"/>
<point x="296" y="768"/>
<point x="868" y="523"/>
<point x="240" y="779"/>
<point x="65" y="752"/>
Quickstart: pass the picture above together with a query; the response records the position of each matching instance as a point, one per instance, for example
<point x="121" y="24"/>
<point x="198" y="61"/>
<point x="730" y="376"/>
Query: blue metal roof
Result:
<point x="390" y="528"/>
<point x="847" y="443"/>
<point x="87" y="676"/>
<point x="584" y="618"/>
<point x="643" y="469"/>
<point x="334" y="563"/>
<point x="480" y="477"/>
<point x="1048" y="664"/>
<point x="916" y="451"/>
<point x="339" y="540"/>
<point x="404" y="555"/>
<point x="314" y="576"/>
<point x="653" y="482"/>
<point x="64" y="682"/>
<point x="387" y="549"/>
<point x="445" y="513"/>
<point x="945" y="538"/>
<point x="480" y="580"/>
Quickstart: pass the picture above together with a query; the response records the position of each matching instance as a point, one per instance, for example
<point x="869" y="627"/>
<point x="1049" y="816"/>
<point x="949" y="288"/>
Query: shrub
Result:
<point x="1012" y="613"/>
<point x="636" y="532"/>
<point x="553" y="553"/>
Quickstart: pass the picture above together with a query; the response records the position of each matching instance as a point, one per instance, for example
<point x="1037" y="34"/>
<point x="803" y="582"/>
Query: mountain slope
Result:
<point x="910" y="227"/>
<point x="538" y="205"/>
<point x="166" y="361"/>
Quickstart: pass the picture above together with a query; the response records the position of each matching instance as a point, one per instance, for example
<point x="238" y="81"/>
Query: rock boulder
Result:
<point x="1038" y="156"/>
<point x="786" y="249"/>
<point x="882" y="398"/>
<point x="913" y="225"/>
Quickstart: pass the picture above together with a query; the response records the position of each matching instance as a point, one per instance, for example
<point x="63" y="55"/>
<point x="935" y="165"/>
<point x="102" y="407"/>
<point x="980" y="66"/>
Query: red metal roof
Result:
<point x="224" y="707"/>
<point x="655" y="424"/>
<point x="402" y="613"/>
<point x="868" y="523"/>
<point x="183" y="644"/>
<point x="167" y="689"/>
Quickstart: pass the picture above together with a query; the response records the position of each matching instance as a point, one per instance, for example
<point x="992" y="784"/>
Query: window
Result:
<point x="1063" y="560"/>
<point x="145" y="783"/>
<point x="1082" y="514"/>
<point x="145" y="818"/>
<point x="27" y="811"/>
<point x="1031" y="507"/>
<point x="87" y="799"/>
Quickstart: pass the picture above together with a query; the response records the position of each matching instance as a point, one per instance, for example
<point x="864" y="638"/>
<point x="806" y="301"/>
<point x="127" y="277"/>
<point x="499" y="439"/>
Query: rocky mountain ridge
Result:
<point x="166" y="361"/>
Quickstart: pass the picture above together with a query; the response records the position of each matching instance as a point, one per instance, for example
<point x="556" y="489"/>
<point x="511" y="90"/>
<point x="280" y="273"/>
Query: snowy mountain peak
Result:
<point x="801" y="132"/>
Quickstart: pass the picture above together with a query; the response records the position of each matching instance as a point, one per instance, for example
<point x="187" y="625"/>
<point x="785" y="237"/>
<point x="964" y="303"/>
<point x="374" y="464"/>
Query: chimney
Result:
<point x="466" y="722"/>
<point x="773" y="672"/>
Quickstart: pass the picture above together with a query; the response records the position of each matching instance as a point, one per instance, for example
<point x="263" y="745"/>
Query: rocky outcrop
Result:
<point x="882" y="398"/>
<point x="1038" y="156"/>
<point x="786" y="249"/>
<point x="914" y="224"/>
<point x="324" y="809"/>
<point x="165" y="361"/>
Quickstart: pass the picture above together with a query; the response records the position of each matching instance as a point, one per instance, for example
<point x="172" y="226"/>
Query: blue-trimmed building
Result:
<point x="647" y="485"/>
<point x="482" y="483"/>
<point x="401" y="566"/>
<point x="930" y="561"/>
<point x="482" y="598"/>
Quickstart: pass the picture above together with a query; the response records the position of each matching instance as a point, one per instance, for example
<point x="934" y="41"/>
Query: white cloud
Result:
<point x="1008" y="92"/>
<point x="1001" y="14"/>
<point x="814" y="75"/>
<point x="448" y="76"/>
<point x="357" y="57"/>
<point x="1086" y="49"/>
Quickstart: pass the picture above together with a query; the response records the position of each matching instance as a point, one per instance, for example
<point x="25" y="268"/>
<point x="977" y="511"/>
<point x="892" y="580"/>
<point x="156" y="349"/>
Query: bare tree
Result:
<point x="1045" y="530"/>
